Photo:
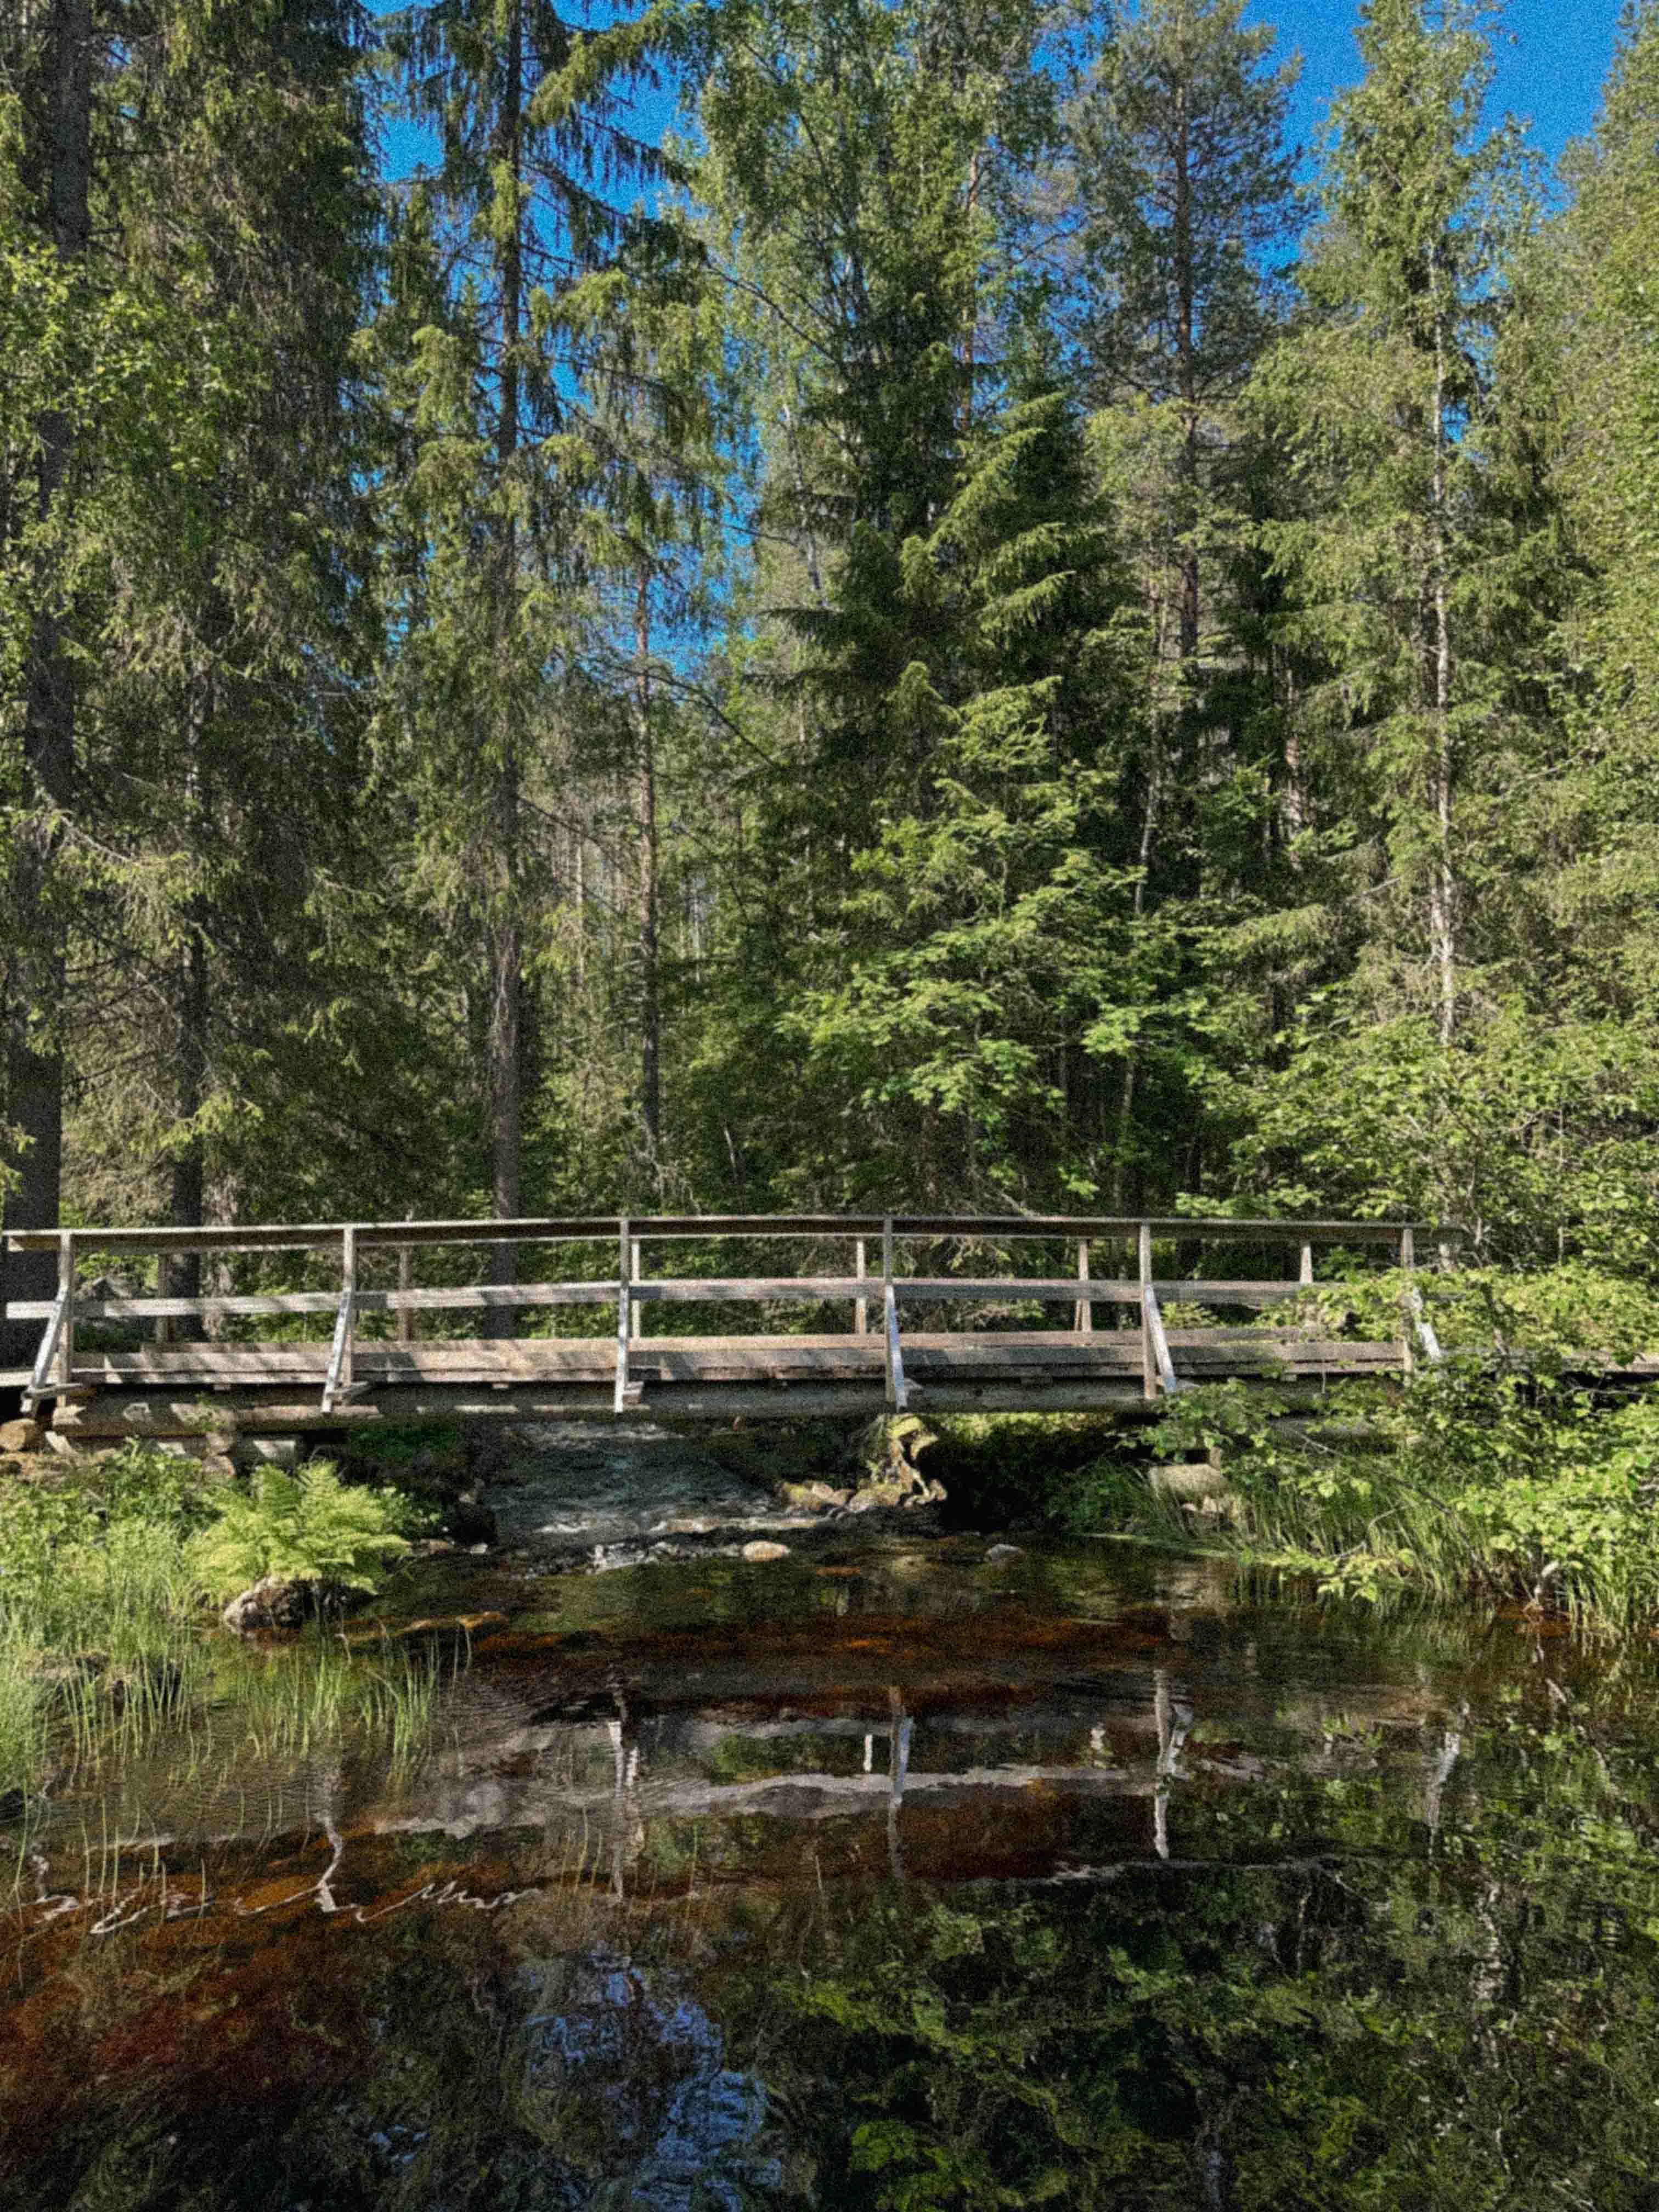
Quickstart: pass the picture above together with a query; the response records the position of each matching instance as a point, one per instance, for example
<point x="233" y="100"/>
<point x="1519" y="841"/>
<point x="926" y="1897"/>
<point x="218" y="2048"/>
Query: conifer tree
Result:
<point x="522" y="209"/>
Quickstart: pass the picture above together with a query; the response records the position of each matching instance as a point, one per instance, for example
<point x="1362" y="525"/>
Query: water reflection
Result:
<point x="1073" y="1884"/>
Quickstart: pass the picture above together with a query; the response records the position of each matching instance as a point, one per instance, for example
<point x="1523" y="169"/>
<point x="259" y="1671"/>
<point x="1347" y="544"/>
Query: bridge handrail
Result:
<point x="323" y="1235"/>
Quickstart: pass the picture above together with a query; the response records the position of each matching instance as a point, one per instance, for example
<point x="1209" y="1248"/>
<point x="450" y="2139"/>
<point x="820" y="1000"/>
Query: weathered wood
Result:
<point x="1165" y="1364"/>
<point x="1056" y="1289"/>
<point x="1425" y="1328"/>
<point x="753" y="1290"/>
<point x="460" y="1298"/>
<point x="337" y="1384"/>
<point x="39" y="1382"/>
<point x="1025" y="1366"/>
<point x="897" y="1393"/>
<point x="1148" y="1363"/>
<point x="66" y="1301"/>
<point x="324" y="1236"/>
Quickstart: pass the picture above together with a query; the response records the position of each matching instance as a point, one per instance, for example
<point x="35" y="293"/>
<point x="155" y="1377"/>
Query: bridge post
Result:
<point x="1407" y="1264"/>
<point x="337" y="1384"/>
<point x="406" y="1282"/>
<point x="896" y="1395"/>
<point x="66" y="1293"/>
<point x="625" y="1310"/>
<point x="1148" y="1361"/>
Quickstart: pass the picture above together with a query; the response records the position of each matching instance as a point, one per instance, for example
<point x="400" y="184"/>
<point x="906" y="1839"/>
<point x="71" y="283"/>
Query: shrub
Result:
<point x="308" y="1528"/>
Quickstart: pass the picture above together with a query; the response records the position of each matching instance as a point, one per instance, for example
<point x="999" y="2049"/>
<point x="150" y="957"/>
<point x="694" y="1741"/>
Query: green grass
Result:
<point x="104" y="1570"/>
<point x="1480" y="1483"/>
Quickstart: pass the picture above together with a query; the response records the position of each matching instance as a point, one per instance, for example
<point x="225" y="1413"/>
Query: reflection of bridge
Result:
<point x="348" y="1335"/>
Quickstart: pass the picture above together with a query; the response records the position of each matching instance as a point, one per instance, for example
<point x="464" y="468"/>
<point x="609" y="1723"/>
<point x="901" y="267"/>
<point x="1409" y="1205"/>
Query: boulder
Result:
<point x="760" y="1550"/>
<point x="807" y="1494"/>
<point x="275" y="1602"/>
<point x="471" y="1520"/>
<point x="870" y="1497"/>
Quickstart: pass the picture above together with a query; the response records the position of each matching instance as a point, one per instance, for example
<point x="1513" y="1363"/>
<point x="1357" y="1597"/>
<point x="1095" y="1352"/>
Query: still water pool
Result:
<point x="884" y="1874"/>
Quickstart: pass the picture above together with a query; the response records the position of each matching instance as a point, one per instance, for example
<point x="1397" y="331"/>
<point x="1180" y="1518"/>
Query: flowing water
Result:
<point x="907" y="1870"/>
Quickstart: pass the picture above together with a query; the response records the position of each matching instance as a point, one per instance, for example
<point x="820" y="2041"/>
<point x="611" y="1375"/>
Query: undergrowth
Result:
<point x="105" y="1565"/>
<point x="1479" y="1481"/>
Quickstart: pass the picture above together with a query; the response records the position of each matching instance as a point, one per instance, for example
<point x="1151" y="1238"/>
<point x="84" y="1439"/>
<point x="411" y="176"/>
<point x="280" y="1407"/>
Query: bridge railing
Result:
<point x="630" y="1290"/>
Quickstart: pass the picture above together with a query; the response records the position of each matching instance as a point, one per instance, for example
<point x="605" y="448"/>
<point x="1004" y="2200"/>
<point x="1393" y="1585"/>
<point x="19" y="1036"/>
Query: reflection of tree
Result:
<point x="1412" y="1972"/>
<point x="1466" y="2026"/>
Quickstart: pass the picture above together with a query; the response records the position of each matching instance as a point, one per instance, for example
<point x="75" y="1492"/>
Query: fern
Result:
<point x="305" y="1528"/>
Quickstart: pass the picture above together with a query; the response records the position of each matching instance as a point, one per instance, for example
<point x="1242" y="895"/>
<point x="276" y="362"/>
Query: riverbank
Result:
<point x="1485" y="1482"/>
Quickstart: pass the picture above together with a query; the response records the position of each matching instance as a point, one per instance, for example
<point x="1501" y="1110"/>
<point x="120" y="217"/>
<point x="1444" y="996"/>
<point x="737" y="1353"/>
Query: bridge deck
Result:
<point x="393" y="1350"/>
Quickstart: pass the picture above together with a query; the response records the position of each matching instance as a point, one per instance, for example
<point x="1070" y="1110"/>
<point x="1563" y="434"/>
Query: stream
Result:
<point x="906" y="1868"/>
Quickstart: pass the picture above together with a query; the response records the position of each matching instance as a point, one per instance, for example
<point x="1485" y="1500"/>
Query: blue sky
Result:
<point x="1551" y="58"/>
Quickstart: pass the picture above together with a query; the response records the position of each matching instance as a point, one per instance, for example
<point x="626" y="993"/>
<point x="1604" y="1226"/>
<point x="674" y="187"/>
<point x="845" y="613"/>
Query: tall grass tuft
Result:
<point x="1479" y="1481"/>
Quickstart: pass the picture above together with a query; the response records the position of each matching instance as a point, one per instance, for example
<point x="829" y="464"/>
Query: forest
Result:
<point x="880" y="603"/>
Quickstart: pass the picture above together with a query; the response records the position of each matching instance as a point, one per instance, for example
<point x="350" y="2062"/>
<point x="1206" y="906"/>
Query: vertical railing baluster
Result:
<point x="860" y="1306"/>
<point x="625" y="1310"/>
<point x="406" y="1282"/>
<point x="636" y="1318"/>
<point x="1148" y="1360"/>
<point x="1085" y="1312"/>
<point x="66" y="1293"/>
<point x="348" y="1302"/>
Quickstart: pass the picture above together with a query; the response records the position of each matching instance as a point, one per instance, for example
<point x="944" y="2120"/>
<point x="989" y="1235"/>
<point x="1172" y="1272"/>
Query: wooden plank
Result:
<point x="1166" y="1374"/>
<point x="66" y="1300"/>
<point x="624" y="1305"/>
<point x="897" y="1395"/>
<point x="322" y="1235"/>
<point x="1148" y="1361"/>
<point x="1425" y="1332"/>
<point x="1054" y="1289"/>
<point x="1215" y="1228"/>
<point x="39" y="1380"/>
<point x="752" y="1289"/>
<point x="463" y="1298"/>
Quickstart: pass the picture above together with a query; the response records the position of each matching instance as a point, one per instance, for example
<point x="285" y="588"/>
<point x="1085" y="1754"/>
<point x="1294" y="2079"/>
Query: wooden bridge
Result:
<point x="356" y="1337"/>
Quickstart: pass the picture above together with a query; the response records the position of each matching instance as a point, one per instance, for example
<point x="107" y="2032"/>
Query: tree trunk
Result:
<point x="1187" y="375"/>
<point x="505" y="932"/>
<point x="34" y="975"/>
<point x="1443" y="887"/>
<point x="650" y="961"/>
